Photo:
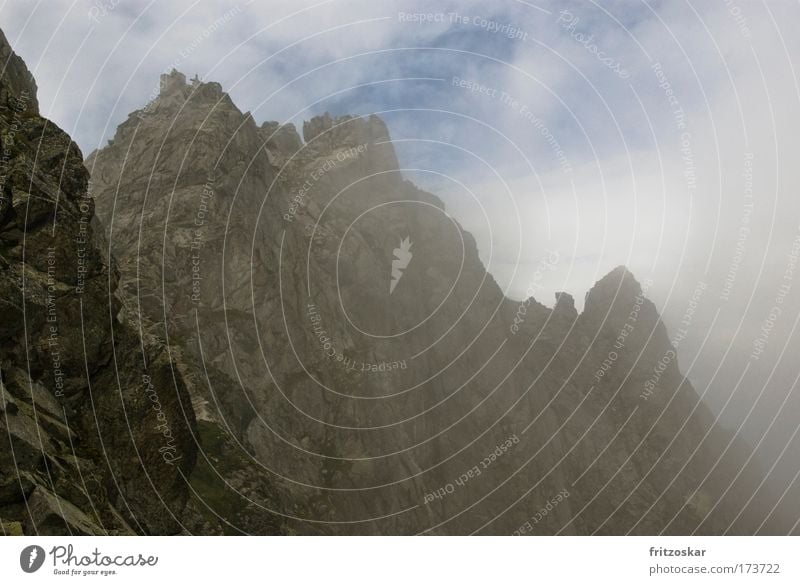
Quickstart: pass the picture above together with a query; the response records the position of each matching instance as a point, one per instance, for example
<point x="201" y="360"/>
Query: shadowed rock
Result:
<point x="82" y="450"/>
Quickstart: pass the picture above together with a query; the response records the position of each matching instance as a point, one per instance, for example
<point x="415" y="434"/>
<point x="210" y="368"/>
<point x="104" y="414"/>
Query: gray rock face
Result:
<point x="346" y="343"/>
<point x="82" y="448"/>
<point x="18" y="82"/>
<point x="565" y="305"/>
<point x="280" y="139"/>
<point x="325" y="135"/>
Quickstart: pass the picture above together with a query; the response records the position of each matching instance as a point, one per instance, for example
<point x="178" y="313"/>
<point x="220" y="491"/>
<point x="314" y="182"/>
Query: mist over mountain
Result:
<point x="362" y="397"/>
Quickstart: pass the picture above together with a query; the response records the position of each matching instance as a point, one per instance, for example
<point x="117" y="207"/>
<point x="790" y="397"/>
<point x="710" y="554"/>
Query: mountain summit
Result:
<point x="325" y="347"/>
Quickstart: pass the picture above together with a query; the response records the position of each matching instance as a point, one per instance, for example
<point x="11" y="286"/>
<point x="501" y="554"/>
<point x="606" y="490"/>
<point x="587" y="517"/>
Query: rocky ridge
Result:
<point x="96" y="430"/>
<point x="259" y="333"/>
<point x="434" y="405"/>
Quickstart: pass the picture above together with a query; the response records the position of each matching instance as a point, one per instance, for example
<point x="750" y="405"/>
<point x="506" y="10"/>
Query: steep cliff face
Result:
<point x="18" y="82"/>
<point x="96" y="430"/>
<point x="339" y="333"/>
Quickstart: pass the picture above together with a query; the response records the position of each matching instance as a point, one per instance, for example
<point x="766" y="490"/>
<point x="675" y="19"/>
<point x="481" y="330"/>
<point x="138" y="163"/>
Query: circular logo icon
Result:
<point x="31" y="558"/>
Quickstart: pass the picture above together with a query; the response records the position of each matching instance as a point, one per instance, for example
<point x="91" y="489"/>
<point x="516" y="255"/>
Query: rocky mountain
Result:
<point x="96" y="428"/>
<point x="340" y="325"/>
<point x="261" y="333"/>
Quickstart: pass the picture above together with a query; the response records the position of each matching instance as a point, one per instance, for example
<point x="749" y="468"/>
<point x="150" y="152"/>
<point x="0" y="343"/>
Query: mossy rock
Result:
<point x="12" y="528"/>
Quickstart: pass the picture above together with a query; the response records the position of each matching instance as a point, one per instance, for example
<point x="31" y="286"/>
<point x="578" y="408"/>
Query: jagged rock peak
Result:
<point x="620" y="282"/>
<point x="615" y="295"/>
<point x="172" y="82"/>
<point x="281" y="137"/>
<point x="346" y="129"/>
<point x="349" y="137"/>
<point x="565" y="304"/>
<point x="174" y="91"/>
<point x="325" y="134"/>
<point x="18" y="82"/>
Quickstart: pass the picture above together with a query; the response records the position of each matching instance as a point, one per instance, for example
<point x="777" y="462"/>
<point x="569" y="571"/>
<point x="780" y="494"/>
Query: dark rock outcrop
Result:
<point x="97" y="431"/>
<point x="18" y="83"/>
